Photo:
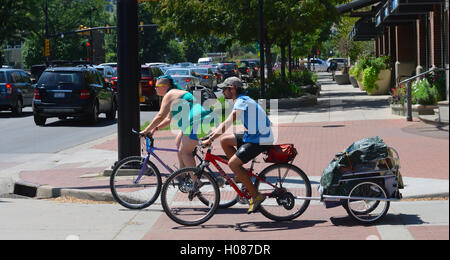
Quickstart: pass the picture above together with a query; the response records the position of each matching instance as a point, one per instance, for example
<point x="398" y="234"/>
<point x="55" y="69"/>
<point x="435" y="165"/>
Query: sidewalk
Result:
<point x="344" y="115"/>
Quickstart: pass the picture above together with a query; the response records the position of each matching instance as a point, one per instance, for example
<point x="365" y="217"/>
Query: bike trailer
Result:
<point x="367" y="160"/>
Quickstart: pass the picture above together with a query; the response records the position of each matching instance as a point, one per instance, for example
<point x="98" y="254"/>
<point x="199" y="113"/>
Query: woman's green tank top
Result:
<point x="190" y="116"/>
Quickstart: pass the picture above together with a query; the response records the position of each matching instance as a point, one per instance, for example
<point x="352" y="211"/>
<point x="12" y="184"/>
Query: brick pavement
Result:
<point x="420" y="156"/>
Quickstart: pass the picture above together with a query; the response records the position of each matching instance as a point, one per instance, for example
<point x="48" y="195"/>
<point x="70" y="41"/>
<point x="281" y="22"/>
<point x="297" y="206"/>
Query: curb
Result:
<point x="37" y="191"/>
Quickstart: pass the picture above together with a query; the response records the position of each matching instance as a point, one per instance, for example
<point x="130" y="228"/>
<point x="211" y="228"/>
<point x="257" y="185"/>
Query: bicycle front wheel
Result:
<point x="188" y="200"/>
<point x="135" y="184"/>
<point x="285" y="186"/>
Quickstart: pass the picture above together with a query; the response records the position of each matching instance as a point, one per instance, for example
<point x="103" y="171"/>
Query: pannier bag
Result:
<point x="283" y="153"/>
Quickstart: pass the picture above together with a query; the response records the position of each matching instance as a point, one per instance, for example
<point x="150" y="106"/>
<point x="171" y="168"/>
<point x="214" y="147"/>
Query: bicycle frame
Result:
<point x="210" y="158"/>
<point x="151" y="152"/>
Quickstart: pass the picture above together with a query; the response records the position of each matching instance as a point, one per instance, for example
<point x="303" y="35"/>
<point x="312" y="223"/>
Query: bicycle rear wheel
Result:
<point x="135" y="185"/>
<point x="282" y="203"/>
<point x="187" y="202"/>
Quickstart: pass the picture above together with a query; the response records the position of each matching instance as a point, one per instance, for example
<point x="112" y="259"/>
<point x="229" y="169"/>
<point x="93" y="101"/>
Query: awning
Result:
<point x="363" y="31"/>
<point x="355" y="5"/>
<point x="396" y="12"/>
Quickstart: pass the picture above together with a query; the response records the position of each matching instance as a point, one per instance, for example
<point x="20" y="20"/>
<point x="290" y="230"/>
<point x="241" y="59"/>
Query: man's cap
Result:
<point x="232" y="81"/>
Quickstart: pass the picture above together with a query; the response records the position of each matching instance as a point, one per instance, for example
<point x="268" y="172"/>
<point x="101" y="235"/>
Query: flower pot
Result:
<point x="383" y="84"/>
<point x="360" y="84"/>
<point x="342" y="79"/>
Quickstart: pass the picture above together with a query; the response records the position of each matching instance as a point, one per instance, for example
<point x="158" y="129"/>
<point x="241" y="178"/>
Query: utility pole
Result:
<point x="261" y="48"/>
<point x="129" y="117"/>
<point x="46" y="28"/>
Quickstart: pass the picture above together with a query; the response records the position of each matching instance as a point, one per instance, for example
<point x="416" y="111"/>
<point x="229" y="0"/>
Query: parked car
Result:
<point x="207" y="77"/>
<point x="73" y="92"/>
<point x="318" y="65"/>
<point x="228" y="69"/>
<point x="185" y="77"/>
<point x="149" y="74"/>
<point x="341" y="63"/>
<point x="16" y="90"/>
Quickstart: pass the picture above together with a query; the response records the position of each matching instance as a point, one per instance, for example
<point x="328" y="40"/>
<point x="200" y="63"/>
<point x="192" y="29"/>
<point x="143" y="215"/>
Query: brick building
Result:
<point x="414" y="33"/>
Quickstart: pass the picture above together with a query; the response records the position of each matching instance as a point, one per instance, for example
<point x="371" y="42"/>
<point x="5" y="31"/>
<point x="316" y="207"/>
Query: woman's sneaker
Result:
<point x="256" y="203"/>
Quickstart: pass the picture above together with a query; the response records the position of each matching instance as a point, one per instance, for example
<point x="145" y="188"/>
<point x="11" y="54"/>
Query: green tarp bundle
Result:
<point x="359" y="153"/>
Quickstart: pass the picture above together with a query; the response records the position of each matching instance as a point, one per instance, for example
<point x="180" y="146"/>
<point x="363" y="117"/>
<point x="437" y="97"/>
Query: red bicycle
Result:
<point x="191" y="196"/>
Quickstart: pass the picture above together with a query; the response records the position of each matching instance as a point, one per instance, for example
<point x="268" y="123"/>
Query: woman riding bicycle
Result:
<point x="256" y="139"/>
<point x="180" y="105"/>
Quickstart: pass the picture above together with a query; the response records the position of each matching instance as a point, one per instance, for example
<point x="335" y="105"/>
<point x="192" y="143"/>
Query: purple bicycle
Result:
<point x="136" y="182"/>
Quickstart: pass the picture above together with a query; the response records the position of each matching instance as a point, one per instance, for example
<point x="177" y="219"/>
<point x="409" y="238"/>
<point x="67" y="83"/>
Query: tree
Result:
<point x="64" y="16"/>
<point x="16" y="20"/>
<point x="237" y="20"/>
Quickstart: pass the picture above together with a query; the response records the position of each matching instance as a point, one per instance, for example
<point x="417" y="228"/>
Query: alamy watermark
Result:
<point x="205" y="116"/>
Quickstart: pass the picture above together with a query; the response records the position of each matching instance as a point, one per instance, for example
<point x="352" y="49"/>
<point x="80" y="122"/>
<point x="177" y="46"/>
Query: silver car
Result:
<point x="207" y="77"/>
<point x="185" y="77"/>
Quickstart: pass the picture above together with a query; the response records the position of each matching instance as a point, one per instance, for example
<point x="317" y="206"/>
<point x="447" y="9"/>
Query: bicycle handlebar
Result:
<point x="149" y="136"/>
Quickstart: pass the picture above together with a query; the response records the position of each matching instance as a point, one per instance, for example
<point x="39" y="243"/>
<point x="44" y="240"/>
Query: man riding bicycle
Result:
<point x="257" y="138"/>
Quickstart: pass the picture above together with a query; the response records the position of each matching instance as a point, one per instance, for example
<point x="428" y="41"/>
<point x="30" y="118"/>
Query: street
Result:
<point x="21" y="136"/>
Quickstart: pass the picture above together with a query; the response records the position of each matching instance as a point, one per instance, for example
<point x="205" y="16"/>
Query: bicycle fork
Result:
<point x="143" y="169"/>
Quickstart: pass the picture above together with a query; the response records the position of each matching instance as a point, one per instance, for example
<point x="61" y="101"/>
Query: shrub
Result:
<point x="424" y="93"/>
<point x="438" y="80"/>
<point x="277" y="88"/>
<point x="368" y="68"/>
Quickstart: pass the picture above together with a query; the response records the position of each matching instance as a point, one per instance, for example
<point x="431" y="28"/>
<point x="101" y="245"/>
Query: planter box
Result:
<point x="417" y="110"/>
<point x="304" y="101"/>
<point x="354" y="82"/>
<point x="384" y="84"/>
<point x="342" y="79"/>
<point x="443" y="111"/>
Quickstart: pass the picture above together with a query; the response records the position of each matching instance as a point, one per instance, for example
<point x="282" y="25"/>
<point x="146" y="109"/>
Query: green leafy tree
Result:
<point x="63" y="16"/>
<point x="16" y="20"/>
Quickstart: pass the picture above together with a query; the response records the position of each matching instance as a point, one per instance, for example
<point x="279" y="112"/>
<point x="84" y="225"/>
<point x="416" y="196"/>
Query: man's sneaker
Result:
<point x="256" y="203"/>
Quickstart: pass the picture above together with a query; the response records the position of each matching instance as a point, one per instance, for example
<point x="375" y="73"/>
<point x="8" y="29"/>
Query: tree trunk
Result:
<point x="269" y="60"/>
<point x="283" y="63"/>
<point x="290" y="60"/>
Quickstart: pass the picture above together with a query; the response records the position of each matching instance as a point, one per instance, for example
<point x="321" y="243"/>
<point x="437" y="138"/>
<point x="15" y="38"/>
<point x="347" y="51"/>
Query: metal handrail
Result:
<point x="409" y="90"/>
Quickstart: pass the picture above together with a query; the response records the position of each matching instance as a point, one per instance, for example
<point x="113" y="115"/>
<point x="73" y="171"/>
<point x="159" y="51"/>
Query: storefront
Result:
<point x="414" y="33"/>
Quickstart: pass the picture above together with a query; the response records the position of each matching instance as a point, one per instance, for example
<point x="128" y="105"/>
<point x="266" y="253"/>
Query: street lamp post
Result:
<point x="129" y="118"/>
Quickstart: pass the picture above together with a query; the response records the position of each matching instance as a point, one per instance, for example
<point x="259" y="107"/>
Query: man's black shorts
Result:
<point x="248" y="151"/>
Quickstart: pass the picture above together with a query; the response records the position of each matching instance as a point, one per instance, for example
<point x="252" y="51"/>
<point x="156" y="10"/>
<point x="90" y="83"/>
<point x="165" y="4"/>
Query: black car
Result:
<point x="228" y="69"/>
<point x="16" y="90"/>
<point x="73" y="92"/>
<point x="251" y="68"/>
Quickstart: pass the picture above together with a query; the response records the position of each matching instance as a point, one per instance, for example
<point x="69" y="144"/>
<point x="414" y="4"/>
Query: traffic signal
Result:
<point x="108" y="30"/>
<point x="82" y="27"/>
<point x="47" y="48"/>
<point x="142" y="26"/>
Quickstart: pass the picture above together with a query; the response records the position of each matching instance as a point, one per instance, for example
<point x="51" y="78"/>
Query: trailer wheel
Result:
<point x="370" y="210"/>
